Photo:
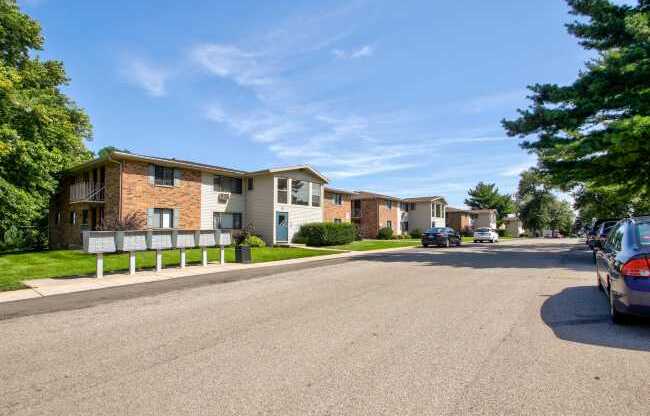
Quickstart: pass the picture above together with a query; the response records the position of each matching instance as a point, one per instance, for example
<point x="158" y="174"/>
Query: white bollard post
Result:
<point x="204" y="256"/>
<point x="222" y="257"/>
<point x="182" y="258"/>
<point x="131" y="262"/>
<point x="100" y="265"/>
<point x="158" y="260"/>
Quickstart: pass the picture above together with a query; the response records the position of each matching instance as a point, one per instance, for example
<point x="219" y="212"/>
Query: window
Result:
<point x="337" y="199"/>
<point x="84" y="217"/>
<point x="412" y="206"/>
<point x="404" y="226"/>
<point x="643" y="233"/>
<point x="337" y="220"/>
<point x="389" y="204"/>
<point x="299" y="192"/>
<point x="163" y="176"/>
<point x="227" y="184"/>
<point x="283" y="190"/>
<point x="163" y="218"/>
<point x="315" y="194"/>
<point x="73" y="217"/>
<point x="57" y="218"/>
<point x="249" y="181"/>
<point x="389" y="224"/>
<point x="227" y="220"/>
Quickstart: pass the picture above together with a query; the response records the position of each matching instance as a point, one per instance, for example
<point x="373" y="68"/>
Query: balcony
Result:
<point x="87" y="192"/>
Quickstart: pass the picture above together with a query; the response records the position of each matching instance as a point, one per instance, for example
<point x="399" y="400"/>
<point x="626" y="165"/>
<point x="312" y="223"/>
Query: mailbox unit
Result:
<point x="131" y="240"/>
<point x="99" y="242"/>
<point x="184" y="238"/>
<point x="159" y="239"/>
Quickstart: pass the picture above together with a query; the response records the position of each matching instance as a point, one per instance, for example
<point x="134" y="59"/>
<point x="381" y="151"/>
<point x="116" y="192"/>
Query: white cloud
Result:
<point x="227" y="61"/>
<point x="146" y="76"/>
<point x="363" y="51"/>
<point x="517" y="169"/>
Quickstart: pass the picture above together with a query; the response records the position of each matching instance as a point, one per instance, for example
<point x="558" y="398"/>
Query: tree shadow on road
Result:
<point x="563" y="256"/>
<point x="581" y="314"/>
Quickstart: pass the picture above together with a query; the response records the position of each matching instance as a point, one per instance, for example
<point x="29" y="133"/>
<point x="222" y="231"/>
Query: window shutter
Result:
<point x="150" y="216"/>
<point x="177" y="218"/>
<point x="178" y="176"/>
<point x="152" y="174"/>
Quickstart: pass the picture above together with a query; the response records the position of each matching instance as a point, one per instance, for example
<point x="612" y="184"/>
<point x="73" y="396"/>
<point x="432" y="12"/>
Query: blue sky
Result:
<point x="402" y="98"/>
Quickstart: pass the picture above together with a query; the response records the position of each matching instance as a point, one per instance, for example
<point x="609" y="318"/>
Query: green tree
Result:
<point x="596" y="131"/>
<point x="487" y="196"/>
<point x="42" y="131"/>
<point x="104" y="151"/>
<point x="534" y="201"/>
<point x="561" y="217"/>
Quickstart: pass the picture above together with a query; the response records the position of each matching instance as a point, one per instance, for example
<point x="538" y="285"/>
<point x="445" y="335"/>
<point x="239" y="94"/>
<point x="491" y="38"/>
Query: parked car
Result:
<point x="442" y="237"/>
<point x="593" y="233"/>
<point x="600" y="236"/>
<point x="486" y="234"/>
<point x="623" y="268"/>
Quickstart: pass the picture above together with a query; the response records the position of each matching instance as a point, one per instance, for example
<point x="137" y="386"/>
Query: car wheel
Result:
<point x="476" y="241"/>
<point x="617" y="317"/>
<point x="425" y="245"/>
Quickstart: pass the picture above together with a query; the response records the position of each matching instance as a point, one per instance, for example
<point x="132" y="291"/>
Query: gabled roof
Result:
<point x="464" y="211"/>
<point x="288" y="169"/>
<point x="372" y="195"/>
<point x="338" y="191"/>
<point x="425" y="199"/>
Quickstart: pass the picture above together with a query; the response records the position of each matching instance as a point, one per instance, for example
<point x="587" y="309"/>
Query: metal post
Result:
<point x="100" y="265"/>
<point x="204" y="256"/>
<point x="158" y="260"/>
<point x="182" y="258"/>
<point x="222" y="257"/>
<point x="131" y="262"/>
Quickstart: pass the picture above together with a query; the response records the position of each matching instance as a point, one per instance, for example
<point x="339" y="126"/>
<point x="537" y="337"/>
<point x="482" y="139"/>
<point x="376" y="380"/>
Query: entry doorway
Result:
<point x="282" y="227"/>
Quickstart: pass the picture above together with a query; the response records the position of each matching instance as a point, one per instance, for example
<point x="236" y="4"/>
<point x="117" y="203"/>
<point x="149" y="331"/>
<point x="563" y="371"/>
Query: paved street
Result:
<point x="513" y="328"/>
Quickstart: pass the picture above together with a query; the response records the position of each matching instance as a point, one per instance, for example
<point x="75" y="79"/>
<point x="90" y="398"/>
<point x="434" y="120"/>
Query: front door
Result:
<point x="282" y="227"/>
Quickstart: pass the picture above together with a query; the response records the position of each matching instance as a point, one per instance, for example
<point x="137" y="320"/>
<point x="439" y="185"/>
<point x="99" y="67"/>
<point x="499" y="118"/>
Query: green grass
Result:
<point x="16" y="267"/>
<point x="366" y="245"/>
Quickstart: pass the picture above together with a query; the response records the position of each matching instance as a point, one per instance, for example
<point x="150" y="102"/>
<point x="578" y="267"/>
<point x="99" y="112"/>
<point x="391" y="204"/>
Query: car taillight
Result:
<point x="639" y="267"/>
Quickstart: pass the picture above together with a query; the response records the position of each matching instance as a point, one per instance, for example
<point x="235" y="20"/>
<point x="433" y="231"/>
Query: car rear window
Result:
<point x="483" y="230"/>
<point x="436" y="230"/>
<point x="643" y="233"/>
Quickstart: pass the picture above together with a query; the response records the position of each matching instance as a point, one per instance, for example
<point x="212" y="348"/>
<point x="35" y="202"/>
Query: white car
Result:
<point x="485" y="234"/>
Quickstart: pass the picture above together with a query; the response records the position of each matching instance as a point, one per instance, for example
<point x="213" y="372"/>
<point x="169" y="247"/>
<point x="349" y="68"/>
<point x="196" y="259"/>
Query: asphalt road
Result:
<point x="513" y="328"/>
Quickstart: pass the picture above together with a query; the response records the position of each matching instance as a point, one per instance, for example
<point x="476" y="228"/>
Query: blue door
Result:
<point x="282" y="227"/>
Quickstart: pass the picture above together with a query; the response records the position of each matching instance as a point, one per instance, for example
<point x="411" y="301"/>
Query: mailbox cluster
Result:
<point x="100" y="242"/>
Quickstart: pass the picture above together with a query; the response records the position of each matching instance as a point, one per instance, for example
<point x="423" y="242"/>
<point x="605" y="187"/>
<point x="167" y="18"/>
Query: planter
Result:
<point x="243" y="254"/>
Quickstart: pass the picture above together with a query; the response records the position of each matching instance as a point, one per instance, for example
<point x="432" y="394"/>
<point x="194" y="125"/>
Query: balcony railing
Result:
<point x="87" y="192"/>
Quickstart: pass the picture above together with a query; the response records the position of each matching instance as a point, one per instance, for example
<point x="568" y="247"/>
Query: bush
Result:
<point x="254" y="241"/>
<point x="326" y="234"/>
<point x="467" y="231"/>
<point x="502" y="233"/>
<point x="416" y="233"/>
<point x="385" y="233"/>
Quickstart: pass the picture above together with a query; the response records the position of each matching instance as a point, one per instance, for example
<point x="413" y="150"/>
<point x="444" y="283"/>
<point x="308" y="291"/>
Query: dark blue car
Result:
<point x="623" y="268"/>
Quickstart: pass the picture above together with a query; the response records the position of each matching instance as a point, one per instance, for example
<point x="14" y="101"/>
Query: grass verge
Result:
<point x="16" y="267"/>
<point x="367" y="245"/>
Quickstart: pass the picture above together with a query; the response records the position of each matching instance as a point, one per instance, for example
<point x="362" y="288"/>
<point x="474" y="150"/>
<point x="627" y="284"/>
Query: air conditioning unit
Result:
<point x="223" y="197"/>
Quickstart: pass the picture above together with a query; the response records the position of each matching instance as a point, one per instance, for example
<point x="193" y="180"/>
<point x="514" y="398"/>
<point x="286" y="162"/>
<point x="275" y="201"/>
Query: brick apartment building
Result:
<point x="170" y="193"/>
<point x="372" y="211"/>
<point x="337" y="205"/>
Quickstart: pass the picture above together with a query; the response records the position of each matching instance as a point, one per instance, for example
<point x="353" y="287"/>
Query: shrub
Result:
<point x="467" y="231"/>
<point x="327" y="233"/>
<point x="132" y="221"/>
<point x="416" y="233"/>
<point x="385" y="233"/>
<point x="502" y="233"/>
<point x="254" y="241"/>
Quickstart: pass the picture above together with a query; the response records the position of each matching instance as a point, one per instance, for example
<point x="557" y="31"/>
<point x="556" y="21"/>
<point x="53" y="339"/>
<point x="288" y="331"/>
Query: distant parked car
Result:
<point x="601" y="233"/>
<point x="623" y="268"/>
<point x="485" y="234"/>
<point x="441" y="236"/>
<point x="594" y="232"/>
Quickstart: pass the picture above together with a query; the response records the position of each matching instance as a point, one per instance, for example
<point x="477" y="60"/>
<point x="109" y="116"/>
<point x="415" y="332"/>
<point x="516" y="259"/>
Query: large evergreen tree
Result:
<point x="42" y="131"/>
<point x="595" y="133"/>
<point x="487" y="196"/>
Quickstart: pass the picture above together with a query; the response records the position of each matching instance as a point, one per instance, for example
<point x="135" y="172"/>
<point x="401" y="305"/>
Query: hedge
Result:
<point x="385" y="233"/>
<point x="326" y="234"/>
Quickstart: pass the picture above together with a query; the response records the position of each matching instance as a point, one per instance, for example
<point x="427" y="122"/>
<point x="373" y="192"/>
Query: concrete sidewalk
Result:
<point x="48" y="287"/>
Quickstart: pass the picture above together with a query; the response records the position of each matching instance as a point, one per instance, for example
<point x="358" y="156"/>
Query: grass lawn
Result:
<point x="366" y="245"/>
<point x="16" y="267"/>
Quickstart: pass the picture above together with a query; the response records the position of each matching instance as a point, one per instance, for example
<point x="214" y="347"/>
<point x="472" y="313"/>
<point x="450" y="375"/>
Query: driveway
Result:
<point x="512" y="328"/>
